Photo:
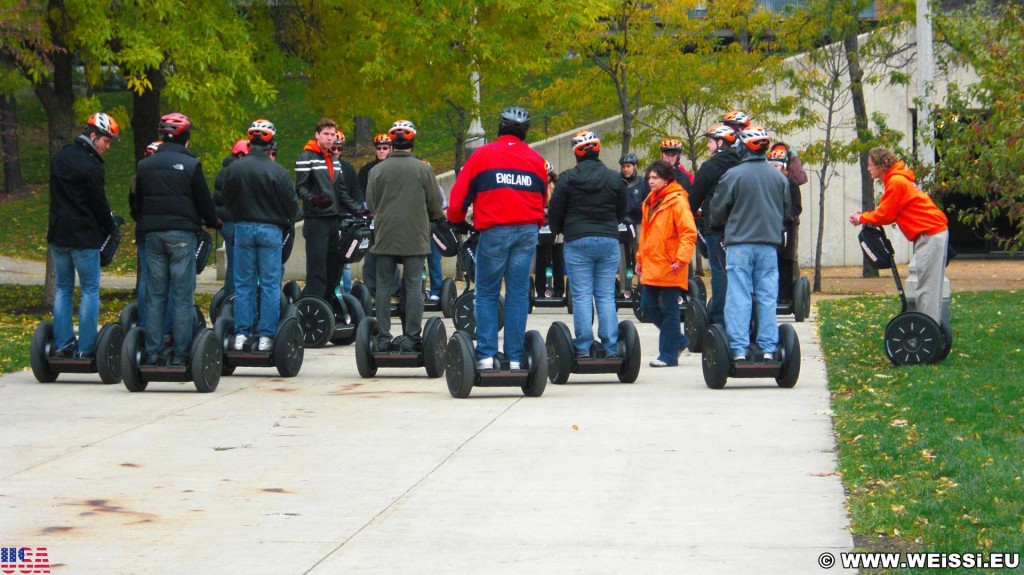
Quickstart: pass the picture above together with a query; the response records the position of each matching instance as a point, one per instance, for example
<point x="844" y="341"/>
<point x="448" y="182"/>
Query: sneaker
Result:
<point x="265" y="344"/>
<point x="239" y="342"/>
<point x="485" y="363"/>
<point x="739" y="358"/>
<point x="435" y="298"/>
<point x="514" y="365"/>
<point x="769" y="357"/>
<point x="658" y="363"/>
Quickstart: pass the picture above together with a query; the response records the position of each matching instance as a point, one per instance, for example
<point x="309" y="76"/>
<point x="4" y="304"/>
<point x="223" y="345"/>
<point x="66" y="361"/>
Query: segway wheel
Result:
<point x="629" y="347"/>
<point x="698" y="290"/>
<point x="638" y="310"/>
<point x="289" y="348"/>
<point x="947" y="336"/>
<point x="200" y="322"/>
<point x="291" y="292"/>
<point x="224" y="330"/>
<point x="560" y="353"/>
<point x="217" y="303"/>
<point x="715" y="358"/>
<point x="42" y="341"/>
<point x="366" y="345"/>
<point x="460" y="365"/>
<point x="129" y="316"/>
<point x="205" y="361"/>
<point x="463" y="316"/>
<point x="352" y="314"/>
<point x="449" y="293"/>
<point x="362" y="293"/>
<point x="568" y="295"/>
<point x="789" y="344"/>
<point x="317" y="320"/>
<point x="435" y="342"/>
<point x="536" y="363"/>
<point x="695" y="324"/>
<point x="801" y="299"/>
<point x="913" y="338"/>
<point x="131" y="358"/>
<point x="108" y="352"/>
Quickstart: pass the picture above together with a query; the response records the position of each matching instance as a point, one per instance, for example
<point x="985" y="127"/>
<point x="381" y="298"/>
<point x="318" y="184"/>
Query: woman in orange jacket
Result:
<point x="666" y="246"/>
<point x="920" y="220"/>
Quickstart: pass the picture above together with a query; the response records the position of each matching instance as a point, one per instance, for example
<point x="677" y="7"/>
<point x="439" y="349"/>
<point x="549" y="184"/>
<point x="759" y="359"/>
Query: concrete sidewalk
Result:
<point x="327" y="473"/>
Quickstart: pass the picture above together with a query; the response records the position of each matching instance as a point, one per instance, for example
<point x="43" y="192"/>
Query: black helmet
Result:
<point x="515" y="116"/>
<point x="629" y="158"/>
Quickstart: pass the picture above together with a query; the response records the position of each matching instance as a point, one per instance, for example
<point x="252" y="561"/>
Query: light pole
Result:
<point x="475" y="135"/>
<point x="925" y="79"/>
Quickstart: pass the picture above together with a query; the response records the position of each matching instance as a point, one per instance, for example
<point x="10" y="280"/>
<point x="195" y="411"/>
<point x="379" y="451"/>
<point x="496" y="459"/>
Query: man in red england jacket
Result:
<point x="506" y="183"/>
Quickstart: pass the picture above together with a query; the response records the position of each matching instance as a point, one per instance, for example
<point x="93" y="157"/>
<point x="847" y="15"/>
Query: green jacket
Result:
<point x="401" y="192"/>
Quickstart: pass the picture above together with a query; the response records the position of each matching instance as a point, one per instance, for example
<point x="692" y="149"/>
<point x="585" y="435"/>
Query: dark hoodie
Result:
<point x="589" y="200"/>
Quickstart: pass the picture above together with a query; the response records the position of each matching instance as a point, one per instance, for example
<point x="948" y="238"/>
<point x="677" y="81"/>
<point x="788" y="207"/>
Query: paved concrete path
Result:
<point x="327" y="473"/>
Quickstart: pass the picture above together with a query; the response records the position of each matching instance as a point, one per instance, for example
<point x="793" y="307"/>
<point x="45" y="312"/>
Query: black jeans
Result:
<point x="557" y="252"/>
<point x="323" y="262"/>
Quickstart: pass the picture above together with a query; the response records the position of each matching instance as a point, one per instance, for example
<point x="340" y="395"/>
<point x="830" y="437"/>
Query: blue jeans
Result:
<point x="258" y="255"/>
<point x="434" y="267"/>
<point x="661" y="304"/>
<point x="592" y="263"/>
<point x="67" y="261"/>
<point x="171" y="274"/>
<point x="143" y="270"/>
<point x="503" y="252"/>
<point x="227" y="231"/>
<point x="753" y="269"/>
<point x="719" y="280"/>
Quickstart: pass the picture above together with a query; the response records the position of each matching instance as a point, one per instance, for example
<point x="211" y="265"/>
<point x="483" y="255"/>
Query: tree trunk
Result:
<point x="11" y="153"/>
<point x="851" y="46"/>
<point x="146" y="113"/>
<point x="364" y="131"/>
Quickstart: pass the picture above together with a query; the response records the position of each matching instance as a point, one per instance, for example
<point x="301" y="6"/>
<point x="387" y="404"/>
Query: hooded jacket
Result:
<point x="589" y="200"/>
<point x="79" y="213"/>
<point x="669" y="235"/>
<point x="751" y="201"/>
<point x="316" y="173"/>
<point x="258" y="189"/>
<point x="905" y="204"/>
<point x="172" y="193"/>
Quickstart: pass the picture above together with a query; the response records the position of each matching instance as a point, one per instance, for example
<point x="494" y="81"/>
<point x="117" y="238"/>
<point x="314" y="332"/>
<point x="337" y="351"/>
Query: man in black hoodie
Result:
<point x="587" y="205"/>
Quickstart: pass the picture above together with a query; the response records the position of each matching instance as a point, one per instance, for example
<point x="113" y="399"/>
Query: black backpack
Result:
<point x="444" y="238"/>
<point x="353" y="240"/>
<point x="108" y="249"/>
<point x="876" y="246"/>
<point x="467" y="255"/>
<point x="204" y="243"/>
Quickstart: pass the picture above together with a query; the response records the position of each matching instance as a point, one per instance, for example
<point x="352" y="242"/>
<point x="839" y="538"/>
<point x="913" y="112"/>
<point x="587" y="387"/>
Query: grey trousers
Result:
<point x="930" y="263"/>
<point x="387" y="277"/>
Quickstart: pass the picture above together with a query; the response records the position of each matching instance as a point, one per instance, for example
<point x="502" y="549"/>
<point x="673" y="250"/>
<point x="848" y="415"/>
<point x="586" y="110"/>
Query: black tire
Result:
<point x="206" y="361"/>
<point x="132" y="354"/>
<point x="351" y="315"/>
<point x="535" y="359"/>
<point x="913" y="338"/>
<point x="366" y="345"/>
<point x="695" y="324"/>
<point x="362" y="293"/>
<point x="42" y="342"/>
<point x="629" y="348"/>
<point x="715" y="359"/>
<point x="568" y="295"/>
<point x="638" y="311"/>
<point x="317" y="320"/>
<point x="129" y="316"/>
<point x="224" y="331"/>
<point x="289" y="348"/>
<point x="801" y="299"/>
<point x="449" y="293"/>
<point x="217" y="303"/>
<point x="464" y="316"/>
<point x="560" y="353"/>
<point x="947" y="337"/>
<point x="789" y="346"/>
<point x="108" y="352"/>
<point x="291" y="292"/>
<point x="200" y="320"/>
<point x="698" y="290"/>
<point x="435" y="343"/>
<point x="460" y="365"/>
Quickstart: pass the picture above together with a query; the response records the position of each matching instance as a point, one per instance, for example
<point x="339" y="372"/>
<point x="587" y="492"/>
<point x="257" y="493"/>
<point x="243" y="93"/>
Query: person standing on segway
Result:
<point x="80" y="220"/>
<point x="174" y="200"/>
<point x="402" y="194"/>
<point x="506" y="184"/>
<point x="588" y="203"/>
<point x="381" y="150"/>
<point x="227" y="231"/>
<point x="260" y="196"/>
<point x="636" y="193"/>
<point x="751" y="202"/>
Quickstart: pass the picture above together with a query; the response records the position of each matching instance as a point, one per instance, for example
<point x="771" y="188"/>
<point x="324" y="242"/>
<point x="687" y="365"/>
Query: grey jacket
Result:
<point x="402" y="193"/>
<point x="751" y="201"/>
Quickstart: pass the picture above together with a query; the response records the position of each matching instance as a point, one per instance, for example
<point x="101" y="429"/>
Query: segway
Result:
<point x="911" y="338"/>
<point x="203" y="367"/>
<point x="464" y="314"/>
<point x="546" y="242"/>
<point x="47" y="362"/>
<point x="719" y="365"/>
<point x="627" y="296"/>
<point x="692" y="312"/>
<point x="563" y="359"/>
<point x="402" y="351"/>
<point x="796" y="299"/>
<point x="445" y="305"/>
<point x="286" y="354"/>
<point x="463" y="376"/>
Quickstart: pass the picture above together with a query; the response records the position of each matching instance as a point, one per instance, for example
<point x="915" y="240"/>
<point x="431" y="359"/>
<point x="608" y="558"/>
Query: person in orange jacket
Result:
<point x="663" y="260"/>
<point x="920" y="220"/>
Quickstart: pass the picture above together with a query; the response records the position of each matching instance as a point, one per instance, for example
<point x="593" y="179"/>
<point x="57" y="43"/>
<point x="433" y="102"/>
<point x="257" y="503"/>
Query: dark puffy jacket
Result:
<point x="171" y="192"/>
<point x="364" y="175"/>
<point x="704" y="183"/>
<point x="636" y="193"/>
<point x="258" y="189"/>
<point x="589" y="200"/>
<point x="79" y="212"/>
<point x="316" y="174"/>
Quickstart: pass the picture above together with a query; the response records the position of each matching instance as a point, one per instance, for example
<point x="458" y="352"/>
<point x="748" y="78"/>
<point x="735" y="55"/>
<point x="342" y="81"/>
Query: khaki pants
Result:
<point x="930" y="263"/>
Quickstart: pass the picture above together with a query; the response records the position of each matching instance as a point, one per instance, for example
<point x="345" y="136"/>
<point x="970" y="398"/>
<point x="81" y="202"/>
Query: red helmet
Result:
<point x="722" y="132"/>
<point x="755" y="138"/>
<point x="104" y="124"/>
<point x="174" y="124"/>
<point x="584" y="142"/>
<point x="262" y="131"/>
<point x="151" y="149"/>
<point x="240" y="148"/>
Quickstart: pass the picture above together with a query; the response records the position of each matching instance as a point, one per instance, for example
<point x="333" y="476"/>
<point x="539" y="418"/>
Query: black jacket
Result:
<point x="364" y="174"/>
<point x="171" y="192"/>
<point x="636" y="193"/>
<point x="79" y="213"/>
<point x="353" y="189"/>
<point x="316" y="173"/>
<point x="258" y="189"/>
<point x="705" y="182"/>
<point x="218" y="189"/>
<point x="589" y="200"/>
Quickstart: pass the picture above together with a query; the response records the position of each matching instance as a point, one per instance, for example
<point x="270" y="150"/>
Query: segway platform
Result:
<point x="718" y="364"/>
<point x="463" y="376"/>
<point x="47" y="363"/>
<point x="563" y="359"/>
<point x="401" y="352"/>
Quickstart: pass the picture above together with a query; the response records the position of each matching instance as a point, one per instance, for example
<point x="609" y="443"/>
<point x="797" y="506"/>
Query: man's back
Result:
<point x="505" y="182"/>
<point x="172" y="191"/>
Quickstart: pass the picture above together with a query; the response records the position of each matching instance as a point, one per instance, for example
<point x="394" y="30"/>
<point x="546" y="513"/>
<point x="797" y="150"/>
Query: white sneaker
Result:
<point x="514" y="365"/>
<point x="769" y="357"/>
<point x="265" y="344"/>
<point x="239" y="342"/>
<point x="435" y="298"/>
<point x="485" y="363"/>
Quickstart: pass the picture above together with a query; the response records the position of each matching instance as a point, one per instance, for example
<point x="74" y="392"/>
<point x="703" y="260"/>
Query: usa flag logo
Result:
<point x="24" y="560"/>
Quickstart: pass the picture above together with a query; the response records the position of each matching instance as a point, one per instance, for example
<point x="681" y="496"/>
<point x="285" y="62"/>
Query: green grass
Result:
<point x="18" y="319"/>
<point x="932" y="456"/>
